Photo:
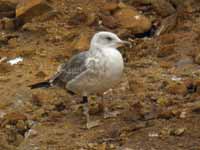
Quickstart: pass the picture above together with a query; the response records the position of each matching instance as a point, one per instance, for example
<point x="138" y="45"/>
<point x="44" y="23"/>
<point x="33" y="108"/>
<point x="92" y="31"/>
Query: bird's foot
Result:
<point x="112" y="114"/>
<point x="92" y="124"/>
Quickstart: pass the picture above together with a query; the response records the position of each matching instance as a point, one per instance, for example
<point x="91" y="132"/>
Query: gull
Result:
<point x="91" y="72"/>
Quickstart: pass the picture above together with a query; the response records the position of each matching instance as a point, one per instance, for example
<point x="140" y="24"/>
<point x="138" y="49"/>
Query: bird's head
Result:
<point x="106" y="40"/>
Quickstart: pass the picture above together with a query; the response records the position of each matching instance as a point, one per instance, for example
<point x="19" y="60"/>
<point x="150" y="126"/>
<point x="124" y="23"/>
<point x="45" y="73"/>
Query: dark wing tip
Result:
<point x="45" y="84"/>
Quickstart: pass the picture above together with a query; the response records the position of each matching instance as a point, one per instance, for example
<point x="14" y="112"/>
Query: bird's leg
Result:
<point x="89" y="123"/>
<point x="107" y="113"/>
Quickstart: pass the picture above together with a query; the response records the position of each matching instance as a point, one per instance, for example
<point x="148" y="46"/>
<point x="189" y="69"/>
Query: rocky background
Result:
<point x="159" y="95"/>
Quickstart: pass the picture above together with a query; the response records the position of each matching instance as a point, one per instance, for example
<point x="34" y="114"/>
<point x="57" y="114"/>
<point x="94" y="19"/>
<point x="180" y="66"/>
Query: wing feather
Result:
<point x="70" y="70"/>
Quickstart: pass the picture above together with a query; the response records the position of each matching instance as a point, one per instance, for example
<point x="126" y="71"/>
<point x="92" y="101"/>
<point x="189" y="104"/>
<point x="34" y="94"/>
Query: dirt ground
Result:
<point x="158" y="97"/>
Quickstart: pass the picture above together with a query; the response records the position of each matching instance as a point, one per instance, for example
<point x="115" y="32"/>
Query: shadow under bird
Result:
<point x="91" y="72"/>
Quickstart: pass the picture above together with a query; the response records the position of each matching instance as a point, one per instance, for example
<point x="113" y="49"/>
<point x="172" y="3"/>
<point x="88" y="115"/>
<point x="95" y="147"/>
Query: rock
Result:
<point x="165" y="64"/>
<point x="60" y="107"/>
<point x="39" y="113"/>
<point x="129" y="18"/>
<point x="27" y="9"/>
<point x="21" y="126"/>
<point x="5" y="68"/>
<point x="177" y="88"/>
<point x="112" y="146"/>
<point x="30" y="123"/>
<point x="184" y="61"/>
<point x="177" y="132"/>
<point x="173" y="131"/>
<point x="177" y="3"/>
<point x="54" y="116"/>
<point x="8" y="14"/>
<point x="41" y="74"/>
<point x="168" y="39"/>
<point x="6" y="103"/>
<point x="165" y="131"/>
<point x="7" y="24"/>
<point x="110" y="6"/>
<point x="109" y="21"/>
<point x="153" y="135"/>
<point x="12" y="118"/>
<point x="3" y="37"/>
<point x="162" y="101"/>
<point x="167" y="25"/>
<point x="7" y="4"/>
<point x="31" y="133"/>
<point x="78" y="19"/>
<point x="190" y="6"/>
<point x="19" y="139"/>
<point x="50" y="15"/>
<point x="2" y="114"/>
<point x="102" y="146"/>
<point x="169" y="112"/>
<point x="7" y="8"/>
<point x="191" y="85"/>
<point x="122" y="5"/>
<point x="197" y="59"/>
<point x="193" y="107"/>
<point x="3" y="59"/>
<point x="183" y="115"/>
<point x="12" y="43"/>
<point x="163" y="7"/>
<point x="91" y="19"/>
<point x="165" y="50"/>
<point x="92" y="145"/>
<point x="82" y="43"/>
<point x="32" y="27"/>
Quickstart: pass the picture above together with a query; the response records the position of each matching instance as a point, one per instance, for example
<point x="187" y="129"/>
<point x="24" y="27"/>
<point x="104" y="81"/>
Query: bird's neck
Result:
<point x="99" y="48"/>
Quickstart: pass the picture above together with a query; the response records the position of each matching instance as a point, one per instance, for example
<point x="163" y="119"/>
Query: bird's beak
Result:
<point x="124" y="43"/>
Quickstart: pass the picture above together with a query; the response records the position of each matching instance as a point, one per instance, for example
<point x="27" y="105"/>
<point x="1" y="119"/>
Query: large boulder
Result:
<point x="131" y="19"/>
<point x="27" y="9"/>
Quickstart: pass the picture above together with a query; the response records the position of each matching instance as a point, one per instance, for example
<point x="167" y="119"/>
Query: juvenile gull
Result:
<point x="91" y="72"/>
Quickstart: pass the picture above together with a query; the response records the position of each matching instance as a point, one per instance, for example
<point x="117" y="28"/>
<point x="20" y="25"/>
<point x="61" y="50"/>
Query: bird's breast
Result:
<point x="112" y="64"/>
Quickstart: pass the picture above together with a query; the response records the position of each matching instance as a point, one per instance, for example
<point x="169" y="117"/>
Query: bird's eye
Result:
<point x="109" y="38"/>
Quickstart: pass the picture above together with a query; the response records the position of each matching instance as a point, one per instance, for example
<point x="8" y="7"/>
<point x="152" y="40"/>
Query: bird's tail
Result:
<point x="45" y="84"/>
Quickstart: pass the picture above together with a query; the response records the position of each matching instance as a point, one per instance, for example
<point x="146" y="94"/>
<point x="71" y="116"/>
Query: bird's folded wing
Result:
<point x="70" y="70"/>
